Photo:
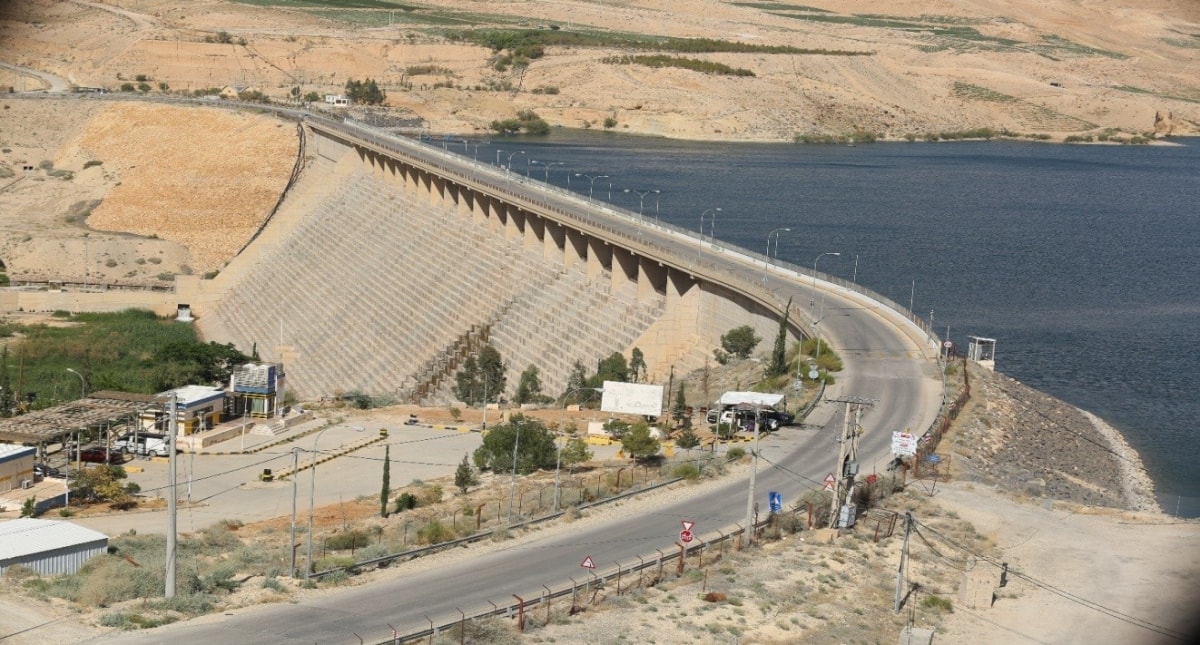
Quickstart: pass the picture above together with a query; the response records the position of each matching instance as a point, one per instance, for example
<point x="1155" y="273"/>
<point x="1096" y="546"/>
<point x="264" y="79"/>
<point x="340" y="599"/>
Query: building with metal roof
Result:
<point x="16" y="466"/>
<point x="48" y="547"/>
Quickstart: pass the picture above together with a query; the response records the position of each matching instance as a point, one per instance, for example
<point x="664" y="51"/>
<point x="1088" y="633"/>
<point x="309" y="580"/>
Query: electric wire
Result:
<point x="1084" y="602"/>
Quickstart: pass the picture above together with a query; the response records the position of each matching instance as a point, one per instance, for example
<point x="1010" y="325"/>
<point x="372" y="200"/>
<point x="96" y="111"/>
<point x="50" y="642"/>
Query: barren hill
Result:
<point x="909" y="68"/>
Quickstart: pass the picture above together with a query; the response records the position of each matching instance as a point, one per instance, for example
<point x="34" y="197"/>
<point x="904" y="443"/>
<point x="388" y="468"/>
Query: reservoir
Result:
<point x="1080" y="260"/>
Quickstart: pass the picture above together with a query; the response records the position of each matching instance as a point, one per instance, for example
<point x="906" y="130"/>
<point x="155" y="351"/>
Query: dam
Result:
<point x="389" y="262"/>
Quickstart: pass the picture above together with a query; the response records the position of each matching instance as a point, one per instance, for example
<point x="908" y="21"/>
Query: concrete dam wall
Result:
<point x="377" y="278"/>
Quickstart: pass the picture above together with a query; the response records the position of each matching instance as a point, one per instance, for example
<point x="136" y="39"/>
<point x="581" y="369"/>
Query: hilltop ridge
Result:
<point x="699" y="69"/>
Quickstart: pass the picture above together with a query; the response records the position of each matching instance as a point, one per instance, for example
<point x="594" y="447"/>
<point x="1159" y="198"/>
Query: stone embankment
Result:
<point x="1021" y="440"/>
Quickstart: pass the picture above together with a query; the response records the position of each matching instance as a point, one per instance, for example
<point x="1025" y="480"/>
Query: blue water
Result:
<point x="1081" y="261"/>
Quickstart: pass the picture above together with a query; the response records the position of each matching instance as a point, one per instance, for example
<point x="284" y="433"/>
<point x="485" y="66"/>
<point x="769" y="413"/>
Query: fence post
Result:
<point x="520" y="613"/>
<point x="618" y="576"/>
<point x="574" y="593"/>
<point x="548" y="594"/>
<point x="682" y="553"/>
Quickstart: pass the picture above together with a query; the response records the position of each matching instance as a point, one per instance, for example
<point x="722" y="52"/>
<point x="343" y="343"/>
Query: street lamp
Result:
<point x="817" y="320"/>
<point x="700" y="250"/>
<point x="512" y="484"/>
<point x="812" y="301"/>
<point x="498" y="151"/>
<point x="312" y="495"/>
<point x="508" y="168"/>
<point x="642" y="198"/>
<point x="82" y="383"/>
<point x="767" y="261"/>
<point x="562" y="422"/>
<point x="547" y="164"/>
<point x="592" y="184"/>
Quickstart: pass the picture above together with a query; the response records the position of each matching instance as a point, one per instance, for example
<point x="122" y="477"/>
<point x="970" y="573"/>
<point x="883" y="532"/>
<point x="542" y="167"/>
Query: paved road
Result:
<point x="886" y="358"/>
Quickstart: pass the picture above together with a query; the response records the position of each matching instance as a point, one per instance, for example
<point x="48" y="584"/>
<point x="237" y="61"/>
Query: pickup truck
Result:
<point x="143" y="444"/>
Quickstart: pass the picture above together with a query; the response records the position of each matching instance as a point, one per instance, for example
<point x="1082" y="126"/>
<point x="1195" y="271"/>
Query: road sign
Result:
<point x="830" y="480"/>
<point x="812" y="374"/>
<point x="687" y="524"/>
<point x="904" y="444"/>
<point x="685" y="536"/>
<point x="947" y="344"/>
<point x="775" y="501"/>
<point x="587" y="563"/>
<point x="933" y="459"/>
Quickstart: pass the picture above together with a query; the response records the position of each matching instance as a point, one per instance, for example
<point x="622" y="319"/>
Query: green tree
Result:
<point x="575" y="452"/>
<point x="467" y="386"/>
<point x="101" y="483"/>
<point x="312" y="97"/>
<point x="637" y="366"/>
<point x="8" y="399"/>
<point x="529" y="389"/>
<point x="638" y="443"/>
<point x="616" y="428"/>
<point x="679" y="407"/>
<point x="465" y="477"/>
<point x="687" y="439"/>
<point x="778" y="365"/>
<point x="481" y="380"/>
<point x="740" y="341"/>
<point x="387" y="481"/>
<point x="535" y="448"/>
<point x="613" y="368"/>
<point x="211" y="363"/>
<point x="577" y="381"/>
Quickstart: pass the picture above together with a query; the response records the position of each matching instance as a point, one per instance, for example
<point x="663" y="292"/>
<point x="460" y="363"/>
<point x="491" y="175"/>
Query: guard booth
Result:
<point x="197" y="408"/>
<point x="257" y="390"/>
<point x="982" y="351"/>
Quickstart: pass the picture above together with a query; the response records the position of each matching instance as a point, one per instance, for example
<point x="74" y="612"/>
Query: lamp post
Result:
<point x="82" y="383"/>
<point x="512" y="483"/>
<point x="642" y="199"/>
<point x="312" y="496"/>
<point x="508" y="168"/>
<point x="817" y="319"/>
<point x="812" y="301"/>
<point x="498" y="151"/>
<point x="714" y="212"/>
<point x="592" y="184"/>
<point x="562" y="422"/>
<point x="767" y="261"/>
<point x="546" y="165"/>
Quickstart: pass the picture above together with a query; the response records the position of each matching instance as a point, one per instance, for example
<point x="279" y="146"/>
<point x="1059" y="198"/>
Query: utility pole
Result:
<point x="749" y="534"/>
<point x="847" y="460"/>
<point x="171" y="497"/>
<point x="295" y="478"/>
<point x="908" y="522"/>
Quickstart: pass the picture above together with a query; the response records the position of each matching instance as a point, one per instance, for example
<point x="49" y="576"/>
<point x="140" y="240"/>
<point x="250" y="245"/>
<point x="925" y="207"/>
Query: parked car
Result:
<point x="98" y="455"/>
<point x="43" y="471"/>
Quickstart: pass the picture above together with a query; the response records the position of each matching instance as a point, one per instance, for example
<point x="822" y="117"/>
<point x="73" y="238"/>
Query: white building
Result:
<point x="48" y="547"/>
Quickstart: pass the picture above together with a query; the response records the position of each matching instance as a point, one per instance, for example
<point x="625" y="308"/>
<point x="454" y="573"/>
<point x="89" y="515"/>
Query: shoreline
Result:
<point x="1137" y="488"/>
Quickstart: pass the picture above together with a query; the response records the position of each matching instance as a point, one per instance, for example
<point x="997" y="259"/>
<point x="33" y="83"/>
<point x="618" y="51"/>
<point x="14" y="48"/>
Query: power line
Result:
<point x="1079" y="600"/>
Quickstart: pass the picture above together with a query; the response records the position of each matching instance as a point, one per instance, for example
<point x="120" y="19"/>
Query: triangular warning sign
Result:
<point x="687" y="525"/>
<point x="587" y="563"/>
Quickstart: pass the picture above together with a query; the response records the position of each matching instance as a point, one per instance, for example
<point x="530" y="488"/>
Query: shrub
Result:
<point x="736" y="453"/>
<point x="689" y="471"/>
<point x="435" y="533"/>
<point x="610" y="122"/>
<point x="354" y="539"/>
<point x="93" y="162"/>
<point x="938" y="603"/>
<point x="405" y="502"/>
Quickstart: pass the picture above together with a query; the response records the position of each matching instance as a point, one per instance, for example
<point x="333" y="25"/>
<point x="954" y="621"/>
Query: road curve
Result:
<point x="886" y="358"/>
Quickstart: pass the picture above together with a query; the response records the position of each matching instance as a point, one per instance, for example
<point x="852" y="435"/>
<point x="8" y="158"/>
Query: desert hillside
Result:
<point x="910" y="69"/>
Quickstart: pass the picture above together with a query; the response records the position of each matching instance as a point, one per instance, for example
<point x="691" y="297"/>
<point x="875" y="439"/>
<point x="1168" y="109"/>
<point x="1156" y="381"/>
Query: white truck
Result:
<point x="144" y="444"/>
<point x="744" y="409"/>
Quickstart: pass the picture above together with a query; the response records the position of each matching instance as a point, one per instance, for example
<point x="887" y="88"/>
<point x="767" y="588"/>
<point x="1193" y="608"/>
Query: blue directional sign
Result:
<point x="775" y="501"/>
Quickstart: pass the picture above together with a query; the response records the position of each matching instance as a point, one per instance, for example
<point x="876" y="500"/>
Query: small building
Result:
<point x="48" y="547"/>
<point x="198" y="408"/>
<point x="257" y="390"/>
<point x="337" y="99"/>
<point x="16" y="466"/>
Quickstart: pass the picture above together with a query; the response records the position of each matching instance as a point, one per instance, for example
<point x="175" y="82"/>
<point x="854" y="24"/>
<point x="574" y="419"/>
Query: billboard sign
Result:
<point x="632" y="398"/>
